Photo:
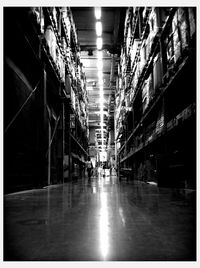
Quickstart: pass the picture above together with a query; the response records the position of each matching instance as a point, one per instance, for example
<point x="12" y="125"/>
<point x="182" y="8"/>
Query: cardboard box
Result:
<point x="145" y="96"/>
<point x="142" y="57"/>
<point x="192" y="20"/>
<point x="157" y="18"/>
<point x="170" y="51"/>
<point x="157" y="72"/>
<point x="134" y="49"/>
<point x="175" y="22"/>
<point x="160" y="123"/>
<point x="184" y="34"/>
<point x="150" y="86"/>
<point x="177" y="52"/>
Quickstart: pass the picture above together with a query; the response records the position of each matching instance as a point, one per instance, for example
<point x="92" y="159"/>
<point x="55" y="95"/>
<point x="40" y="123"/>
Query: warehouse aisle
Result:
<point x="101" y="220"/>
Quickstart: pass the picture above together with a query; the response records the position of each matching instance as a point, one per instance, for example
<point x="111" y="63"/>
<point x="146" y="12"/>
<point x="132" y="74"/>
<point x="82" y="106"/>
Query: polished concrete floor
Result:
<point x="100" y="220"/>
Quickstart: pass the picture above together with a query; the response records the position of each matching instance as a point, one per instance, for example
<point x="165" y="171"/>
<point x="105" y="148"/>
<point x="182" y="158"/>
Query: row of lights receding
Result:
<point x="99" y="43"/>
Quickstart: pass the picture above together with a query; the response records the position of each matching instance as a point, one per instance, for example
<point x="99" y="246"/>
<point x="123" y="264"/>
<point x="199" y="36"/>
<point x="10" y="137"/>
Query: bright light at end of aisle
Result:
<point x="101" y="93"/>
<point x="100" y="75"/>
<point x="101" y="108"/>
<point x="97" y="12"/>
<point x="99" y="65"/>
<point x="99" y="43"/>
<point x="102" y="101"/>
<point x="101" y="83"/>
<point x="98" y="28"/>
<point x="99" y="54"/>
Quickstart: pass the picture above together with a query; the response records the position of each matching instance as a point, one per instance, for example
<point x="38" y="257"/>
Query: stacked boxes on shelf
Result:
<point x="134" y="49"/>
<point x="119" y="111"/>
<point x="82" y="96"/>
<point x="125" y="55"/>
<point x="160" y="122"/>
<point x="128" y="38"/>
<point x="122" y="69"/>
<point x="47" y="32"/>
<point x="127" y="102"/>
<point x="157" y="71"/>
<point x="73" y="99"/>
<point x="61" y="39"/>
<point x="127" y="27"/>
<point x="176" y="38"/>
<point x="192" y="20"/>
<point x="183" y="25"/>
<point x="160" y="49"/>
<point x="148" y="91"/>
<point x="119" y="92"/>
<point x="148" y="45"/>
<point x="66" y="22"/>
<point x="143" y="58"/>
<point x="37" y="13"/>
<point x="51" y="41"/>
<point x="53" y="38"/>
<point x="139" y="53"/>
<point x="180" y="28"/>
<point x="181" y="32"/>
<point x="169" y="49"/>
<point x="145" y="96"/>
<point x="150" y="131"/>
<point x="155" y="20"/>
<point x="78" y="75"/>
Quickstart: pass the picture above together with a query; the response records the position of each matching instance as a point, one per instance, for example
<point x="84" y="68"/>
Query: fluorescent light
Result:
<point x="98" y="28"/>
<point x="99" y="43"/>
<point x="97" y="11"/>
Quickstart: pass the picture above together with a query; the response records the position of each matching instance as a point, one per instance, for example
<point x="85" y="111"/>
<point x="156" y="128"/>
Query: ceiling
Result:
<point x="112" y="19"/>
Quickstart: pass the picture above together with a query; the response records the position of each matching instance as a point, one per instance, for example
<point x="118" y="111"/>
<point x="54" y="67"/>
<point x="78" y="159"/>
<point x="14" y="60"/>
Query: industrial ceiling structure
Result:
<point x="111" y="32"/>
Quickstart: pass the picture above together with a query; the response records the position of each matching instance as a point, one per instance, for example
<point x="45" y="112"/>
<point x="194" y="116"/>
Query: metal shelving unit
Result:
<point x="52" y="136"/>
<point x="151" y="135"/>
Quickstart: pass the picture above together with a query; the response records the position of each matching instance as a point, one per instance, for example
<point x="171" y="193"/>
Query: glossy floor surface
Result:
<point x="100" y="220"/>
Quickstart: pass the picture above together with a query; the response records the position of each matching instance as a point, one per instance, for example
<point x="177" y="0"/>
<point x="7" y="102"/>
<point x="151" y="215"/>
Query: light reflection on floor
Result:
<point x="103" y="226"/>
<point x="100" y="220"/>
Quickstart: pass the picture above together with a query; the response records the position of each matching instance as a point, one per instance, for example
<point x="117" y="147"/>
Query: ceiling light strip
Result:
<point x="97" y="11"/>
<point x="99" y="28"/>
<point x="99" y="43"/>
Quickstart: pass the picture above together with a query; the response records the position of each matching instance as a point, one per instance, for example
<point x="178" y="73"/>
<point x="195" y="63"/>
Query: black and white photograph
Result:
<point x="99" y="133"/>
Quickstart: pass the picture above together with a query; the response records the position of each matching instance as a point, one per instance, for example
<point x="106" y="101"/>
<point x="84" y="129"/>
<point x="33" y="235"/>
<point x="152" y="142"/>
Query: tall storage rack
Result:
<point x="45" y="99"/>
<point x="156" y="97"/>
